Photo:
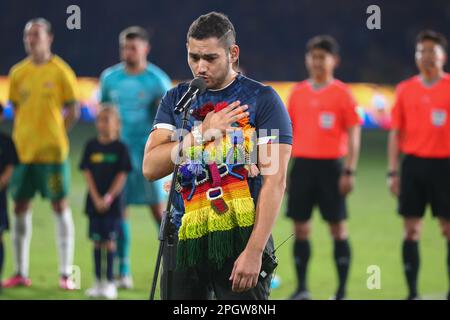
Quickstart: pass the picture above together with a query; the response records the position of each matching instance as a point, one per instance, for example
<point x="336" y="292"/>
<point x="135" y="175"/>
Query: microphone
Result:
<point x="196" y="87"/>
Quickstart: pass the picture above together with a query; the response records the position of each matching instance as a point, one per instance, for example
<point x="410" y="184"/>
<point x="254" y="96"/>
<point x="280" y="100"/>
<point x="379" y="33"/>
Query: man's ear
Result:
<point x="337" y="61"/>
<point x="234" y="53"/>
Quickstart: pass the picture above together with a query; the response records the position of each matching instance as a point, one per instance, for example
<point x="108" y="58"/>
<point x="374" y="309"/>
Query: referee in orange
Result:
<point x="421" y="131"/>
<point x="326" y="128"/>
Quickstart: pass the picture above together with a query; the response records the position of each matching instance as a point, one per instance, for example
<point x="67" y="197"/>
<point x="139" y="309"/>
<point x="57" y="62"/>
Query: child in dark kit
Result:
<point x="105" y="165"/>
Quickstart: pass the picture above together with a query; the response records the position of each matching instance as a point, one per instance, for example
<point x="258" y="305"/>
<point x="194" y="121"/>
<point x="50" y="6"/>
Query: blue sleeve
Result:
<point x="164" y="115"/>
<point x="272" y="115"/>
<point x="165" y="84"/>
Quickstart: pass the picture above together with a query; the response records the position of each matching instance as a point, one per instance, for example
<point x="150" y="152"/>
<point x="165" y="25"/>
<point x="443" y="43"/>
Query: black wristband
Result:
<point x="392" y="173"/>
<point x="348" y="172"/>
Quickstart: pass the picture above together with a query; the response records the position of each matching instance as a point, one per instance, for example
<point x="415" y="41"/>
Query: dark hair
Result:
<point x="134" y="32"/>
<point x="42" y="21"/>
<point x="1" y="109"/>
<point x="324" y="42"/>
<point x="213" y="25"/>
<point x="434" y="36"/>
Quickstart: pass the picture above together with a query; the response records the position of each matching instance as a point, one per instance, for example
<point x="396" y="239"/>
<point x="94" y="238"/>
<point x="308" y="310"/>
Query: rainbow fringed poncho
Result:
<point x="219" y="210"/>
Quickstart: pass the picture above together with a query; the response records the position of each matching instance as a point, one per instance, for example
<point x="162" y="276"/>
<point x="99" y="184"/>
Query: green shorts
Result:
<point x="51" y="180"/>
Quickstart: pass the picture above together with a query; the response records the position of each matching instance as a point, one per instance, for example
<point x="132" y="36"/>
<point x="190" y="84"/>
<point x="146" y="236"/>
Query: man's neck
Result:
<point x="41" y="58"/>
<point x="430" y="78"/>
<point x="320" y="82"/>
<point x="228" y="80"/>
<point x="136" y="69"/>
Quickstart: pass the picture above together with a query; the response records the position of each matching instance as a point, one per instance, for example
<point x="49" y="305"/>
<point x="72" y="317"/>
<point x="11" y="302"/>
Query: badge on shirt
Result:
<point x="438" y="117"/>
<point x="326" y="120"/>
<point x="48" y="85"/>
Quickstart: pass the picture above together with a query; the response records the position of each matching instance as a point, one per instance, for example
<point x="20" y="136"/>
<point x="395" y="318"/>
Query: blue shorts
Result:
<point x="4" y="222"/>
<point x="138" y="190"/>
<point x="103" y="227"/>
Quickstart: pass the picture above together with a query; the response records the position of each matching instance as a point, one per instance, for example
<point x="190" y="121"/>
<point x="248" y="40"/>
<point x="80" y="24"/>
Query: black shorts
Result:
<point x="205" y="282"/>
<point x="103" y="227"/>
<point x="316" y="181"/>
<point x="424" y="181"/>
<point x="4" y="222"/>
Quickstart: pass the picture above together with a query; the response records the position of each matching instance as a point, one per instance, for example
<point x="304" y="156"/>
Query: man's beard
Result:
<point x="131" y="64"/>
<point x="219" y="81"/>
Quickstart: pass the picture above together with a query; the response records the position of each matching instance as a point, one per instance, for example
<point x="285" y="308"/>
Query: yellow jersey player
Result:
<point x="43" y="91"/>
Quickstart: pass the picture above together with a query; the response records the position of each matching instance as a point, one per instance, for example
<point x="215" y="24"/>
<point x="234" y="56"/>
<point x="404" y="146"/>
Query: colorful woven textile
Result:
<point x="219" y="210"/>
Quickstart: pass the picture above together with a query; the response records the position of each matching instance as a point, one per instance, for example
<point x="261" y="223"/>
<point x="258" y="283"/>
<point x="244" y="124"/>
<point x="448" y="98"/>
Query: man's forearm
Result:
<point x="393" y="151"/>
<point x="5" y="177"/>
<point x="271" y="194"/>
<point x="267" y="209"/>
<point x="72" y="115"/>
<point x="92" y="189"/>
<point x="118" y="184"/>
<point x="354" y="142"/>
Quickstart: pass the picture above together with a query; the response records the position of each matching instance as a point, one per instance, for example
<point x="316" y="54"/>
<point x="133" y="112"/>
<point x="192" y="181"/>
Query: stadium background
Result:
<point x="272" y="36"/>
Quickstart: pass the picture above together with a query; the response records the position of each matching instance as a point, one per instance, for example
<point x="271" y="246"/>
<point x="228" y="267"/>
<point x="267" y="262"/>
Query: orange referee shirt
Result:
<point x="320" y="120"/>
<point x="421" y="114"/>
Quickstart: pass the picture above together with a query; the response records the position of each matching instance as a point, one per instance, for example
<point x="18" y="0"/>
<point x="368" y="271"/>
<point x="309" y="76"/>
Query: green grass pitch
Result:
<point x="375" y="235"/>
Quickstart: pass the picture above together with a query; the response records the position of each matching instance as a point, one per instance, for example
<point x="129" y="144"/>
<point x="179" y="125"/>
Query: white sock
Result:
<point x="21" y="236"/>
<point x="65" y="241"/>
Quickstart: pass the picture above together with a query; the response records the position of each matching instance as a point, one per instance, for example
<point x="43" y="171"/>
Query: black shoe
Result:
<point x="340" y="294"/>
<point x="338" y="297"/>
<point x="300" y="295"/>
<point x="413" y="297"/>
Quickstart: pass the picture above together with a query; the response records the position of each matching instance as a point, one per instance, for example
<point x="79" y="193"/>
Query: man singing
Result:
<point x="225" y="207"/>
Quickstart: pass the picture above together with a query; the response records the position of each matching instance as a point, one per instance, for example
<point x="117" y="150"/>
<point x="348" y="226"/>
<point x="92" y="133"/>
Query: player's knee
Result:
<point x="157" y="209"/>
<point x="412" y="233"/>
<point x="446" y="232"/>
<point x="302" y="230"/>
<point x="339" y="231"/>
<point x="21" y="207"/>
<point x="59" y="205"/>
<point x="110" y="246"/>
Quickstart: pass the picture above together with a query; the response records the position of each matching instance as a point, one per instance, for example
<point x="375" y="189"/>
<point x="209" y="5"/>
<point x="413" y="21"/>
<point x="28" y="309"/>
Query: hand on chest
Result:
<point x="199" y="112"/>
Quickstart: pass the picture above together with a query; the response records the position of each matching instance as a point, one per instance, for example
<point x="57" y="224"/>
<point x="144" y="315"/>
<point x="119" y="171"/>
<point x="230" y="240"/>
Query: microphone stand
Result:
<point x="167" y="229"/>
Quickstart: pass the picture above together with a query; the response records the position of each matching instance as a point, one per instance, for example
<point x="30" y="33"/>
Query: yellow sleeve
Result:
<point x="13" y="90"/>
<point x="69" y="86"/>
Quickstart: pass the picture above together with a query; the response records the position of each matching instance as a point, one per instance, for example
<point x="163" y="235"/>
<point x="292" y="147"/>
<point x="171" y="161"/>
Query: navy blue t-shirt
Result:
<point x="266" y="112"/>
<point x="105" y="161"/>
